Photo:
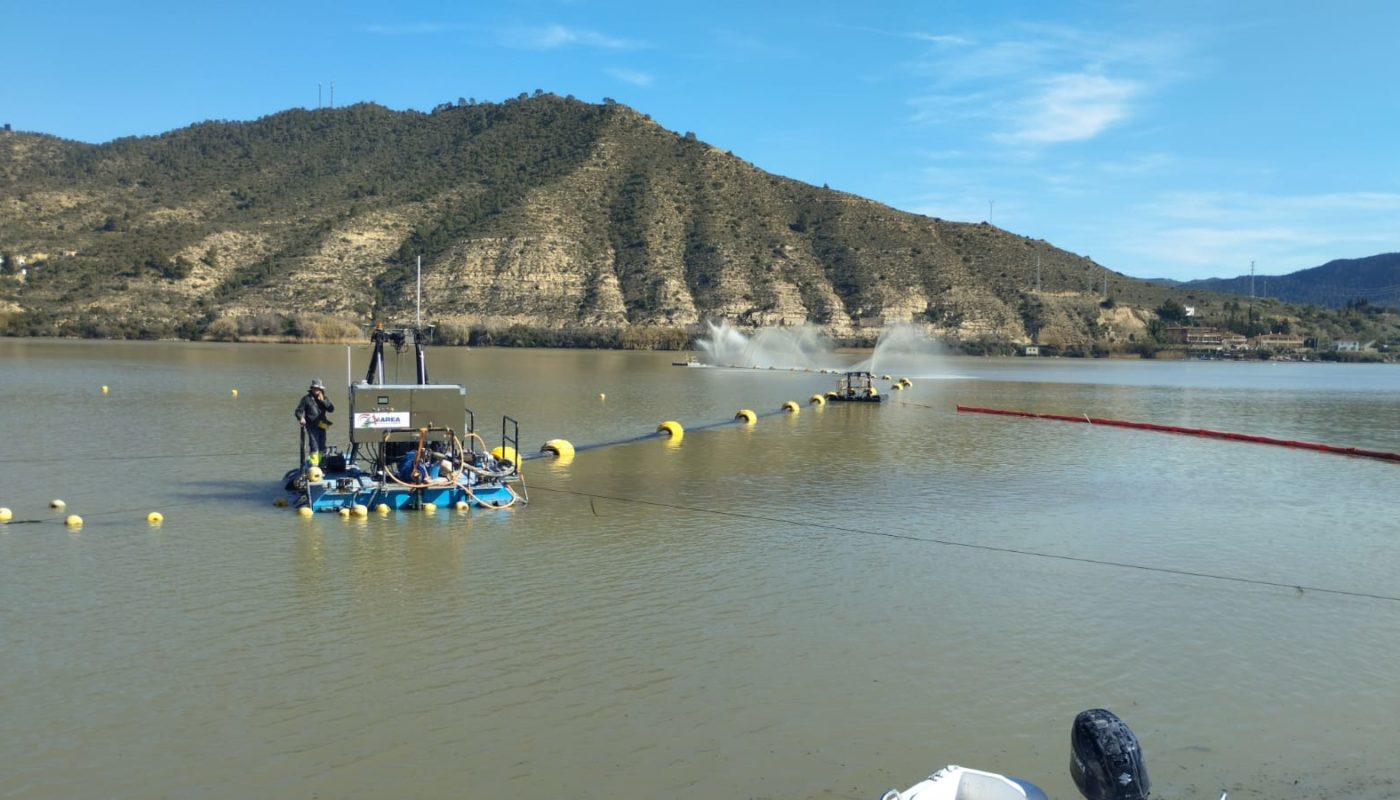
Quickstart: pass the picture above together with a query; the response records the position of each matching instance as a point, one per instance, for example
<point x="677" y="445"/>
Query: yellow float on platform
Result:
<point x="507" y="454"/>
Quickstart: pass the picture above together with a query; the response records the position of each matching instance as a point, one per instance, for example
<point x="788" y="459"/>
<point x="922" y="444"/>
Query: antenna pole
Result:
<point x="418" y="312"/>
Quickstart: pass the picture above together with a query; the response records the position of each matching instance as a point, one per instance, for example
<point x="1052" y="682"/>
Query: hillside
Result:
<point x="540" y="214"/>
<point x="1375" y="279"/>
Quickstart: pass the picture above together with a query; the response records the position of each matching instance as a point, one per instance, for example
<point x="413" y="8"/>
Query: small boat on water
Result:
<point x="1105" y="762"/>
<point x="690" y="361"/>
<point x="855" y="387"/>
<point x="411" y="445"/>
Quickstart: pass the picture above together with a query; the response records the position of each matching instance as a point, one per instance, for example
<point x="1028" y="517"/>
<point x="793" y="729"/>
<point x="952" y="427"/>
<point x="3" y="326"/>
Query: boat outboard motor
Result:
<point x="1105" y="759"/>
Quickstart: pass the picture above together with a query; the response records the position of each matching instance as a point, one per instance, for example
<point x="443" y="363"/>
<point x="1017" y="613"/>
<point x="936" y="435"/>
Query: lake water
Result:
<point x="821" y="605"/>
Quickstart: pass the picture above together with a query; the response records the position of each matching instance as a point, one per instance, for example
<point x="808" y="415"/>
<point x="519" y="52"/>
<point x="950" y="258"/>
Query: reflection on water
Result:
<point x="824" y="604"/>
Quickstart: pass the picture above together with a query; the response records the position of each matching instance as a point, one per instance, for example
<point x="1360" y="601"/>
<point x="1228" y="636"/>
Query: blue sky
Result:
<point x="1162" y="139"/>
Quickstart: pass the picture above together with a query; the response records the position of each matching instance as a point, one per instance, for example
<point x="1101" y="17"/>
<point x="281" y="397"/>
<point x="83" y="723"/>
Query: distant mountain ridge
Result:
<point x="1375" y="279"/>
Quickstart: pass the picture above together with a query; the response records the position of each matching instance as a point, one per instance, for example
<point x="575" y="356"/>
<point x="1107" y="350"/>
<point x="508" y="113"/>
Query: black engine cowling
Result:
<point x="1105" y="759"/>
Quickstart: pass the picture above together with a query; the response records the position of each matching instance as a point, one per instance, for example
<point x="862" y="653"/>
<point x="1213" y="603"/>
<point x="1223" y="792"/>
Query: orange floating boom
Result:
<point x="1148" y="426"/>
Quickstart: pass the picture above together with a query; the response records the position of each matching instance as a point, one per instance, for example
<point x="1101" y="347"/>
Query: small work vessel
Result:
<point x="855" y="387"/>
<point x="690" y="361"/>
<point x="411" y="445"/>
<point x="1105" y="762"/>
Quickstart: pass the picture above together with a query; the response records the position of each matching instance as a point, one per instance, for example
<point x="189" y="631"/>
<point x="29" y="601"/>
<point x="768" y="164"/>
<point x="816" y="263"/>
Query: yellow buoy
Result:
<point x="73" y="521"/>
<point x="344" y="512"/>
<point x="382" y="508"/>
<point x="559" y="447"/>
<point x="234" y="392"/>
<point x="896" y="386"/>
<point x="304" y="511"/>
<point x="57" y="505"/>
<point x="360" y="510"/>
<point x="907" y="383"/>
<point x="104" y="389"/>
<point x="817" y="400"/>
<point x="885" y="377"/>
<point x="6" y="514"/>
<point x="155" y="518"/>
<point x="747" y="416"/>
<point x="672" y="429"/>
<point x="430" y="507"/>
<point x="602" y="396"/>
<point x="462" y="505"/>
<point x="506" y="454"/>
<point x="315" y="475"/>
<point x="792" y="407"/>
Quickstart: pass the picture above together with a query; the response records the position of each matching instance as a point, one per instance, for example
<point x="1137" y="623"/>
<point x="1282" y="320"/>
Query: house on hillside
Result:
<point x="1346" y="346"/>
<point x="1278" y="342"/>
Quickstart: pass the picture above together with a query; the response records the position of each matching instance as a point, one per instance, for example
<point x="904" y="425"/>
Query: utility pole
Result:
<point x="991" y="206"/>
<point x="1249" y="321"/>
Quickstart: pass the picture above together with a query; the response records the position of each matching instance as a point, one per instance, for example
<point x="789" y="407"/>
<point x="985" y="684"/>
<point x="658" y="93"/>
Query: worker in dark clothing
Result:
<point x="311" y="414"/>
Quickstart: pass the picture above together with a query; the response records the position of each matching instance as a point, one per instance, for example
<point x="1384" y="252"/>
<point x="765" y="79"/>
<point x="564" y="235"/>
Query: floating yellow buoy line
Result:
<point x="6" y="514"/>
<point x="673" y="429"/>
<point x="104" y="389"/>
<point x="818" y="400"/>
<point x="382" y="508"/>
<point x="791" y="407"/>
<point x="906" y="382"/>
<point x="73" y="521"/>
<point x="747" y="416"/>
<point x="305" y="511"/>
<point x="562" y="449"/>
<point x="155" y="518"/>
<point x="233" y="392"/>
<point x="57" y="505"/>
<point x="429" y="508"/>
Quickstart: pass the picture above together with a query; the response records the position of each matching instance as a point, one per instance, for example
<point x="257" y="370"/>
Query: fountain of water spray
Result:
<point x="902" y="349"/>
<point x="905" y="350"/>
<point x="801" y="347"/>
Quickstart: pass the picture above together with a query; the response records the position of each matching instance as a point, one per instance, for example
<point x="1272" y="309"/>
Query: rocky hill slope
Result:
<point x="541" y="212"/>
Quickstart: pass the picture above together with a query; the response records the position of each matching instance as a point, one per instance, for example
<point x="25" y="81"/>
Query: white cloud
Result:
<point x="1044" y="85"/>
<point x="631" y="76"/>
<point x="1073" y="107"/>
<point x="550" y="37"/>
